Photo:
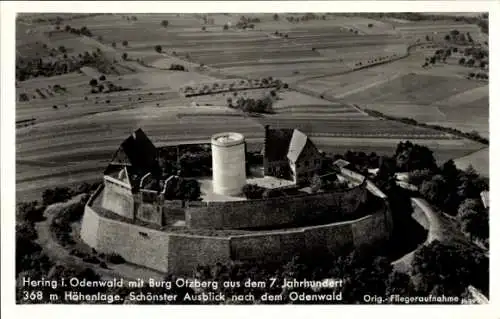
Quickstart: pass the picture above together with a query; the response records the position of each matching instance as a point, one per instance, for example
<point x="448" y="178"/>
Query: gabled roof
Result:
<point x="284" y="144"/>
<point x="296" y="146"/>
<point x="341" y="163"/>
<point x="277" y="142"/>
<point x="137" y="151"/>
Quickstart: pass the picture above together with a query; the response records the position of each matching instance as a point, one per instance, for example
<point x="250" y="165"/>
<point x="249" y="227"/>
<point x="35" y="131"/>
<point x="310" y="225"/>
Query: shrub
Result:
<point x="102" y="78"/>
<point x="115" y="258"/>
<point x="23" y="97"/>
<point x="252" y="191"/>
<point x="125" y="43"/>
<point x="91" y="259"/>
<point x="93" y="82"/>
<point x="158" y="48"/>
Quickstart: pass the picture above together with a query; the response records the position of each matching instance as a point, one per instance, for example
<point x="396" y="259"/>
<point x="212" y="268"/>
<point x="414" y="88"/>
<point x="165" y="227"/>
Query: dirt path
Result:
<point x="59" y="254"/>
<point x="440" y="227"/>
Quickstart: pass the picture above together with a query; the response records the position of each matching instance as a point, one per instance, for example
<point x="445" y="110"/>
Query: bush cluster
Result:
<point x="470" y="135"/>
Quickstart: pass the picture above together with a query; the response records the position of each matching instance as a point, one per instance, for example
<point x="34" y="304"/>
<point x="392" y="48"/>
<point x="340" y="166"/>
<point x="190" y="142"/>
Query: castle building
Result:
<point x="290" y="154"/>
<point x="139" y="214"/>
<point x="133" y="168"/>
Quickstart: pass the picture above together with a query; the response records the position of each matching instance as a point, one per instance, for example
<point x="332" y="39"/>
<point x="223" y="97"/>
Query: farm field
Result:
<point x="479" y="161"/>
<point x="75" y="131"/>
<point x="414" y="88"/>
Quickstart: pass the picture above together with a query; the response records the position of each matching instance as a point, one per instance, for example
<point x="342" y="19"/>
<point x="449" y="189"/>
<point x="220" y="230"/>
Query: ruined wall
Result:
<point x="273" y="211"/>
<point x="167" y="252"/>
<point x="180" y="253"/>
<point x="89" y="233"/>
<point x="139" y="245"/>
<point x="118" y="199"/>
<point x="151" y="213"/>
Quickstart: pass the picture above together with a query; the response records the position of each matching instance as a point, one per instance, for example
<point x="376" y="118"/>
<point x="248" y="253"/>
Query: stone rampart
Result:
<point x="288" y="210"/>
<point x="180" y="253"/>
<point x="118" y="198"/>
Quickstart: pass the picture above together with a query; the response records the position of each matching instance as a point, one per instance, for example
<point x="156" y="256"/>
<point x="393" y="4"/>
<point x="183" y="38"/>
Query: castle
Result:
<point x="132" y="213"/>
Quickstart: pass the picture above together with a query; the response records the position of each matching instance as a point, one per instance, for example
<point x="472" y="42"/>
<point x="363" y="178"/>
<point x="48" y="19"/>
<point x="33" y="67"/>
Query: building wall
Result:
<point x="273" y="211"/>
<point x="307" y="164"/>
<point x="151" y="213"/>
<point x="118" y="199"/>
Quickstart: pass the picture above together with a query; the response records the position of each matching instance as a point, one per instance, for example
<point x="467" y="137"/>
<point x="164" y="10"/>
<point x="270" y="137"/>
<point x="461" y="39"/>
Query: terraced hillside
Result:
<point x="68" y="126"/>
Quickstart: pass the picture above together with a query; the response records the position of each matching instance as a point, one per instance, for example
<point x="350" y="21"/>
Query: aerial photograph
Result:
<point x="252" y="158"/>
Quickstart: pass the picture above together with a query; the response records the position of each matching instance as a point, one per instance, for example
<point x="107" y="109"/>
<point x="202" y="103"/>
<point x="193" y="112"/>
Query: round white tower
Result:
<point x="228" y="163"/>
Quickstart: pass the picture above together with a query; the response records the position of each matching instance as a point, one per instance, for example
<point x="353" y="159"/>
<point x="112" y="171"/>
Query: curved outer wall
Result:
<point x="228" y="164"/>
<point x="179" y="253"/>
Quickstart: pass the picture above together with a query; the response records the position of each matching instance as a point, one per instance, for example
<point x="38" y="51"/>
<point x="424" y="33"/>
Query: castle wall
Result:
<point x="329" y="238"/>
<point x="271" y="212"/>
<point x="188" y="251"/>
<point x="139" y="245"/>
<point x="181" y="253"/>
<point x="118" y="198"/>
<point x="151" y="213"/>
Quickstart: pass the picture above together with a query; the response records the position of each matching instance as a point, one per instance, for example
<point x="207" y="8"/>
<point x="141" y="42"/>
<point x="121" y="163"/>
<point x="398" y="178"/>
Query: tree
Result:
<point x="316" y="183"/>
<point x="434" y="190"/>
<point x="398" y="284"/>
<point x="203" y="28"/>
<point x="271" y="193"/>
<point x="411" y="157"/>
<point x="447" y="37"/>
<point x="370" y="25"/>
<point x="113" y="44"/>
<point x="276" y="17"/>
<point x="125" y="43"/>
<point x="461" y="61"/>
<point x="93" y="82"/>
<point x="191" y="189"/>
<point x="252" y="191"/>
<point x="102" y="78"/>
<point x="58" y="194"/>
<point x="158" y="48"/>
<point x="225" y="27"/>
<point x="164" y="23"/>
<point x="450" y="268"/>
<point x="125" y="56"/>
<point x="469" y="208"/>
<point x="417" y="177"/>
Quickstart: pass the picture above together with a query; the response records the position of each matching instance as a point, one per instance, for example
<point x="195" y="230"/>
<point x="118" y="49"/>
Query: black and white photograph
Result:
<point x="251" y="158"/>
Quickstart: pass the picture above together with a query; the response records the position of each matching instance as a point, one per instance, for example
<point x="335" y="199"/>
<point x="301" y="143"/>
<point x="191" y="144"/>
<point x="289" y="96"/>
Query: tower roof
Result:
<point x="137" y="151"/>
